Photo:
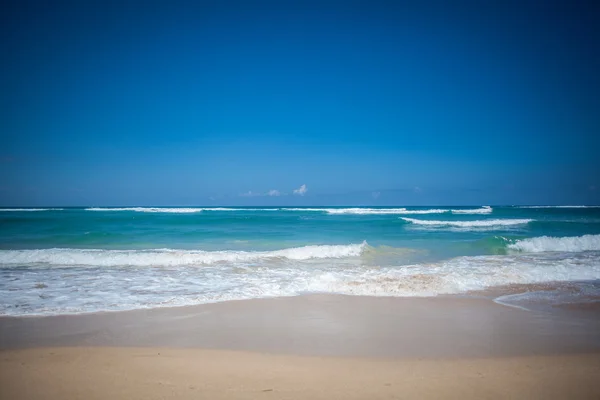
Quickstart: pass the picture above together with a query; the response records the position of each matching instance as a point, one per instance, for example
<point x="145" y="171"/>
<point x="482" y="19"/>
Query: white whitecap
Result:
<point x="565" y="244"/>
<point x="482" y="210"/>
<point x="352" y="210"/>
<point x="469" y="224"/>
<point x="169" y="257"/>
<point x="431" y="211"/>
<point x="148" y="209"/>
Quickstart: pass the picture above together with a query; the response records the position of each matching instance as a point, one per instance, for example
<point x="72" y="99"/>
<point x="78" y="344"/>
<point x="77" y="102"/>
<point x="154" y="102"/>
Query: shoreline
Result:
<point x="496" y="294"/>
<point x="325" y="325"/>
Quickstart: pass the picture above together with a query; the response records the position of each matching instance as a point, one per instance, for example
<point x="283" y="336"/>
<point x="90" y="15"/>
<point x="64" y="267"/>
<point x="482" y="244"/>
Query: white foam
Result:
<point x="552" y="295"/>
<point x="463" y="274"/>
<point x="482" y="210"/>
<point x="169" y="257"/>
<point x="353" y="210"/>
<point x="176" y="209"/>
<point x="148" y="209"/>
<point x="223" y="209"/>
<point x="332" y="211"/>
<point x="469" y="224"/>
<point x="237" y="209"/>
<point x="56" y="290"/>
<point x="365" y="211"/>
<point x="30" y="209"/>
<point x="548" y="243"/>
<point x="432" y="211"/>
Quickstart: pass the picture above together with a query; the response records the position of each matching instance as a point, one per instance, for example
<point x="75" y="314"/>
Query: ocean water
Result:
<point x="74" y="260"/>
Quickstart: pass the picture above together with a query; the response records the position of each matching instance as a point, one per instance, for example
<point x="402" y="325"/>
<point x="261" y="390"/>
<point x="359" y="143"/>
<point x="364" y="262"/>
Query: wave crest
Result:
<point x="482" y="210"/>
<point x="148" y="209"/>
<point x="432" y="211"/>
<point x="170" y="257"/>
<point x="353" y="210"/>
<point x="484" y="223"/>
<point x="564" y="244"/>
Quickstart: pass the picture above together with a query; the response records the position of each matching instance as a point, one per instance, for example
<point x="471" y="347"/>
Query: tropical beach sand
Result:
<point x="306" y="347"/>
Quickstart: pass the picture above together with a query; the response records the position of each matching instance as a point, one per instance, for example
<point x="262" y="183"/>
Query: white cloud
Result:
<point x="250" y="193"/>
<point x="272" y="192"/>
<point x="301" y="191"/>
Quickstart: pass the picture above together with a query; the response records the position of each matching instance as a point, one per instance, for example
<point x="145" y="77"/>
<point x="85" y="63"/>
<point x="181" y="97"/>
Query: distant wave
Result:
<point x="367" y="211"/>
<point x="331" y="211"/>
<point x="482" y="210"/>
<point x="169" y="257"/>
<point x="30" y="209"/>
<point x="558" y="207"/>
<point x="353" y="210"/>
<point x="469" y="224"/>
<point x="176" y="209"/>
<point x="432" y="211"/>
<point x="565" y="244"/>
<point x="236" y="209"/>
<point x="148" y="209"/>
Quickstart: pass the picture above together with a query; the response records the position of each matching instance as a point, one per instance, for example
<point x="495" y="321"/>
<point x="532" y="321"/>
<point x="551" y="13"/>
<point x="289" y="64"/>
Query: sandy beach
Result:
<point x="158" y="373"/>
<point x="314" y="346"/>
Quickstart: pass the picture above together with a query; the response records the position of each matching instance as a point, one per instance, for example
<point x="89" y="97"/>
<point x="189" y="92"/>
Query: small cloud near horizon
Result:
<point x="301" y="191"/>
<point x="249" y="193"/>
<point x="272" y="193"/>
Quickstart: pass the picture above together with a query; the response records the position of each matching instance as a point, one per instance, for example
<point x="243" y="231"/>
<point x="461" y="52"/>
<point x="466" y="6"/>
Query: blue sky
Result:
<point x="225" y="102"/>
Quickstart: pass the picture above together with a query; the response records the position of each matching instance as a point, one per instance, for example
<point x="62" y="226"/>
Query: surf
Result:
<point x="169" y="257"/>
<point x="485" y="223"/>
<point x="563" y="244"/>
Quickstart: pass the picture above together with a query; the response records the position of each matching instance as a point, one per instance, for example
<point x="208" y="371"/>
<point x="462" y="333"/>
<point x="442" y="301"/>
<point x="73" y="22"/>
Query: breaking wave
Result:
<point x="482" y="210"/>
<point x="432" y="211"/>
<point x="565" y="244"/>
<point x="42" y="291"/>
<point x="484" y="223"/>
<point x="169" y="257"/>
<point x="353" y="210"/>
<point x="464" y="274"/>
<point x="368" y="211"/>
<point x="148" y="209"/>
<point x="177" y="209"/>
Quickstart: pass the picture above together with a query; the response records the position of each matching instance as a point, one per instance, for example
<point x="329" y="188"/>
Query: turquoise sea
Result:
<point x="73" y="260"/>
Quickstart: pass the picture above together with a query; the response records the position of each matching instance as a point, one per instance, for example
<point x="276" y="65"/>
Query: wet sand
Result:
<point x="314" y="346"/>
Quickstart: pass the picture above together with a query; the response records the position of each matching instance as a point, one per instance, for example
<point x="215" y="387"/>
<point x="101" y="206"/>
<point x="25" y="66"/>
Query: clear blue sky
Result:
<point x="221" y="102"/>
